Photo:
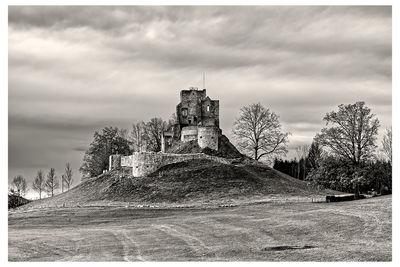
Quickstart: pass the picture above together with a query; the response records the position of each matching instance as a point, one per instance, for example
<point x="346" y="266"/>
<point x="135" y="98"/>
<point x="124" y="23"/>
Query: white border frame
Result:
<point x="395" y="114"/>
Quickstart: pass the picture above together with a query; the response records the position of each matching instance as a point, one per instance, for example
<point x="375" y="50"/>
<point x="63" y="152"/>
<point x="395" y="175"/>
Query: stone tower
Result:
<point x="197" y="119"/>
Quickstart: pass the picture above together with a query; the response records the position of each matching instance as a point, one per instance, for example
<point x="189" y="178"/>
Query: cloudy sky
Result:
<point x="74" y="70"/>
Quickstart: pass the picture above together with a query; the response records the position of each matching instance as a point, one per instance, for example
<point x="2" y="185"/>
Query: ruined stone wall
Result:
<point x="197" y="109"/>
<point x="210" y="112"/>
<point x="144" y="163"/>
<point x="126" y="161"/>
<point x="208" y="137"/>
<point x="189" y="109"/>
<point x="166" y="140"/>
<point x="190" y="95"/>
<point x="189" y="133"/>
<point x="189" y="113"/>
<point x="114" y="162"/>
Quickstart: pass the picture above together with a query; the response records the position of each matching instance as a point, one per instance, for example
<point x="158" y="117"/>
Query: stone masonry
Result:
<point x="197" y="120"/>
<point x="144" y="163"/>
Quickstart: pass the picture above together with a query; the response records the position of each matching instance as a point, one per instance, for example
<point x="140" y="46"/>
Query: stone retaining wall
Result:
<point x="144" y="163"/>
<point x="126" y="161"/>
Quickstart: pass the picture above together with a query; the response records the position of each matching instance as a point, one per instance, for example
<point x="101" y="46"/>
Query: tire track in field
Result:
<point x="194" y="243"/>
<point x="371" y="222"/>
<point x="47" y="248"/>
<point x="246" y="238"/>
<point x="128" y="245"/>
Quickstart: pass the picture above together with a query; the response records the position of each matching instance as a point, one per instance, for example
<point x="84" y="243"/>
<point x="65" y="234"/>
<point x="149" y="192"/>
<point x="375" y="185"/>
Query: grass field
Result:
<point x="347" y="231"/>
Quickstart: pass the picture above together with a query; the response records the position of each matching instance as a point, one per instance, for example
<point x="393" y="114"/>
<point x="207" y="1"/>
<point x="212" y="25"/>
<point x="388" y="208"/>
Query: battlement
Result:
<point x="193" y="94"/>
<point x="196" y="108"/>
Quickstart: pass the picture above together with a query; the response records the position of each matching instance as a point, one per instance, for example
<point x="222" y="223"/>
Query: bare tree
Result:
<point x="299" y="156"/>
<point x="172" y="120"/>
<point x="123" y="133"/>
<point x="19" y="183"/>
<point x="314" y="155"/>
<point x="38" y="183"/>
<point x="258" y="132"/>
<point x="137" y="137"/>
<point x="51" y="182"/>
<point x="67" y="176"/>
<point x="153" y="130"/>
<point x="302" y="152"/>
<point x="351" y="137"/>
<point x="305" y="150"/>
<point x="147" y="136"/>
<point x="353" y="132"/>
<point x="387" y="144"/>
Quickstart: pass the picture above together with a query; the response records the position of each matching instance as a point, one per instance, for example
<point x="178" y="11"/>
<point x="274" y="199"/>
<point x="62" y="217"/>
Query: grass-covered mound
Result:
<point x="225" y="148"/>
<point x="196" y="181"/>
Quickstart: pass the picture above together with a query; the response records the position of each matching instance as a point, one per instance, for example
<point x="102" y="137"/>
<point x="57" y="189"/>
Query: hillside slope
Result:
<point x="194" y="182"/>
<point x="225" y="148"/>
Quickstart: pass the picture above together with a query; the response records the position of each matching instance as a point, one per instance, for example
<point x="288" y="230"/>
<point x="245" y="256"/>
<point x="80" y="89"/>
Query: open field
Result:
<point x="347" y="231"/>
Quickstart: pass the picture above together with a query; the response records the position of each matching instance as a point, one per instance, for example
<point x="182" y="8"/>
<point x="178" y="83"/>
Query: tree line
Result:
<point x="43" y="184"/>
<point x="344" y="155"/>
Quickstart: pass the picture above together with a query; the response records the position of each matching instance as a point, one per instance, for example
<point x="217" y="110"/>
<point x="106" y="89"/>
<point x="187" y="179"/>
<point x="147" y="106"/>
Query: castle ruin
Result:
<point x="197" y="119"/>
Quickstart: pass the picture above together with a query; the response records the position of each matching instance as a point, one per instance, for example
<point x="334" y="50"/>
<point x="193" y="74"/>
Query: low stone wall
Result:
<point x="126" y="161"/>
<point x="115" y="162"/>
<point x="189" y="133"/>
<point x="144" y="163"/>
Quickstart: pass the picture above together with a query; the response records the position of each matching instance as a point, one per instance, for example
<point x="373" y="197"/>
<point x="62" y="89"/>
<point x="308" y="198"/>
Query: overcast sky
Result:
<point x="74" y="70"/>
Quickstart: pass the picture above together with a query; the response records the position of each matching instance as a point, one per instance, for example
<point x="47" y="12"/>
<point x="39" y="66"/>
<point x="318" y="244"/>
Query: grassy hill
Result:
<point x="225" y="148"/>
<point x="196" y="182"/>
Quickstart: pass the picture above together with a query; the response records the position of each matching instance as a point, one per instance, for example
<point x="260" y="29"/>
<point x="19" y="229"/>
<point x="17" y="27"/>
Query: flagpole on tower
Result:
<point x="204" y="80"/>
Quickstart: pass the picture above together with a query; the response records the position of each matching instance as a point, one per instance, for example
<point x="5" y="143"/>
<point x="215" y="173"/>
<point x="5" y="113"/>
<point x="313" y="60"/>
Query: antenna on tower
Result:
<point x="204" y="80"/>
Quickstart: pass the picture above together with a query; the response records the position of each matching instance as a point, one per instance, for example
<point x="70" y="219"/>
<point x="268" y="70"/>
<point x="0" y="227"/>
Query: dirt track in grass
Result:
<point x="347" y="231"/>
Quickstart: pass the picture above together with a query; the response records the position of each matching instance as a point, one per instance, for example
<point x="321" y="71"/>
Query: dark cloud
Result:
<point x="53" y="123"/>
<point x="76" y="69"/>
<point x="282" y="38"/>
